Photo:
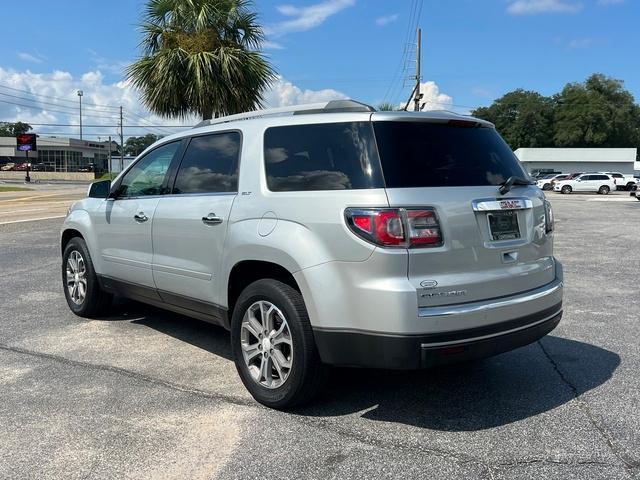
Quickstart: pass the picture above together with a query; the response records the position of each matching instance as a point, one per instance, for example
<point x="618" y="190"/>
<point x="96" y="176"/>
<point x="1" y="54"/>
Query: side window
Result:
<point x="210" y="165"/>
<point x="147" y="176"/>
<point x="334" y="156"/>
<point x="585" y="177"/>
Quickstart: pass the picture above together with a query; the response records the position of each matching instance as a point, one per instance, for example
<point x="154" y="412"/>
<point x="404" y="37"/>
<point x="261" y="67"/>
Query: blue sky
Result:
<point x="474" y="51"/>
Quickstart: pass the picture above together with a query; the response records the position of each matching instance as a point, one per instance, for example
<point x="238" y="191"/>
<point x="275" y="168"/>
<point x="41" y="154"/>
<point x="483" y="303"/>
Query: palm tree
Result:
<point x="386" y="107"/>
<point x="201" y="57"/>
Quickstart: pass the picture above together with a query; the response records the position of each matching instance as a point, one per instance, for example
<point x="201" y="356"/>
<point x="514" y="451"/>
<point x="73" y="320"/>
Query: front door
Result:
<point x="190" y="224"/>
<point x="123" y="224"/>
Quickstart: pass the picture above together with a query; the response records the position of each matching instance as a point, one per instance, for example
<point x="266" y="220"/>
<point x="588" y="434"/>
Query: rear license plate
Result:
<point x="504" y="225"/>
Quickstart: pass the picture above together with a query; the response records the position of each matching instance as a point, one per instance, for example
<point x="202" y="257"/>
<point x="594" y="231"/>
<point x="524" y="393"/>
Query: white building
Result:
<point x="570" y="160"/>
<point x="59" y="154"/>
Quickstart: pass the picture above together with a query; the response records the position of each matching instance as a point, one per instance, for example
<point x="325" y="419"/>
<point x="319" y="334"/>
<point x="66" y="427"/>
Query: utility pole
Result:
<point x="80" y="93"/>
<point x="109" y="166"/>
<point x="418" y="95"/>
<point x="121" y="142"/>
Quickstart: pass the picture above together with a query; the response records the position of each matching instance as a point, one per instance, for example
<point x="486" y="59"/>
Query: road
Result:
<point x="148" y="394"/>
<point x="42" y="202"/>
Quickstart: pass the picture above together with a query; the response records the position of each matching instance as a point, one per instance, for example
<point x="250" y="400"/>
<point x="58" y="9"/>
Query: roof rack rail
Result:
<point x="333" y="106"/>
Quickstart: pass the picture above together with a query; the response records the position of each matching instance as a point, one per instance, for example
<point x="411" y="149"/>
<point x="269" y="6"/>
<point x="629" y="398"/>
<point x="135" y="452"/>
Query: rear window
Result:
<point x="421" y="154"/>
<point x="334" y="156"/>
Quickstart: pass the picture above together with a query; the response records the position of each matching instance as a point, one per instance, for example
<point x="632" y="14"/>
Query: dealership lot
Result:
<point x="145" y="394"/>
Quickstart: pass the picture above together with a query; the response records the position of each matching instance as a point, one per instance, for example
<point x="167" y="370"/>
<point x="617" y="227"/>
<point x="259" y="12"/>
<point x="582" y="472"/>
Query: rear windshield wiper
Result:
<point x="506" y="186"/>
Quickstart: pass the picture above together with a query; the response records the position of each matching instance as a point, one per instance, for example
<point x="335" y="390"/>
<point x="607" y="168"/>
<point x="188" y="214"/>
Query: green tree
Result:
<point x="135" y="145"/>
<point x="201" y="57"/>
<point x="524" y="118"/>
<point x="597" y="113"/>
<point x="8" y="129"/>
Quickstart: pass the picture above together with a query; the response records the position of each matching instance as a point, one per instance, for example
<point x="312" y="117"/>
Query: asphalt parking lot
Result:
<point x="148" y="394"/>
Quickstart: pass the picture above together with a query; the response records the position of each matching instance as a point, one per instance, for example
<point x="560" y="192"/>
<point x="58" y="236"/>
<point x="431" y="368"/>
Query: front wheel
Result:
<point x="566" y="189"/>
<point x="81" y="288"/>
<point x="604" y="190"/>
<point x="273" y="345"/>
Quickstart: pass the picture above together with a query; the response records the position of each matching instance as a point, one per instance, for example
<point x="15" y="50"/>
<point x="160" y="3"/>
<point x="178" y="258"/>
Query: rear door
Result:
<point x="190" y="224"/>
<point x="493" y="245"/>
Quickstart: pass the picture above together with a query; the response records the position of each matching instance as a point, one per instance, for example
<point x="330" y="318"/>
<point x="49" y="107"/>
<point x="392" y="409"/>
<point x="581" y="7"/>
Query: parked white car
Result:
<point x="546" y="182"/>
<point x="623" y="182"/>
<point x="587" y="182"/>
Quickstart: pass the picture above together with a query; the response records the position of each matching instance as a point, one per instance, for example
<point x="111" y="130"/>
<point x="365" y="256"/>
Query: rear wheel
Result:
<point x="273" y="345"/>
<point x="604" y="190"/>
<point x="547" y="186"/>
<point x="81" y="288"/>
<point x="566" y="189"/>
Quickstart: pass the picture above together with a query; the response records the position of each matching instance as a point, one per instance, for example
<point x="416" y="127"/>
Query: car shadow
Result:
<point x="474" y="396"/>
<point x="469" y="397"/>
<point x="208" y="337"/>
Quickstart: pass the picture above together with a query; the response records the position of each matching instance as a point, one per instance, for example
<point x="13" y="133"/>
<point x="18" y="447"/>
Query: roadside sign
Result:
<point x="26" y="142"/>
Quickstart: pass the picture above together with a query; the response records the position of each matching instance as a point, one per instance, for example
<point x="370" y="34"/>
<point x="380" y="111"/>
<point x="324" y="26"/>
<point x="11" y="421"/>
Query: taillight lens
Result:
<point x="396" y="227"/>
<point x="548" y="217"/>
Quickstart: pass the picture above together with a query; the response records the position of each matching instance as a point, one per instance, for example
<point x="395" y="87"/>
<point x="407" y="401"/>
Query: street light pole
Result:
<point x="80" y="93"/>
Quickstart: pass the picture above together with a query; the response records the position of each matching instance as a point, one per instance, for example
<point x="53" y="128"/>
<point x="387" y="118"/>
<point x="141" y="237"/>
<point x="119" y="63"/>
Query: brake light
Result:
<point x="396" y="227"/>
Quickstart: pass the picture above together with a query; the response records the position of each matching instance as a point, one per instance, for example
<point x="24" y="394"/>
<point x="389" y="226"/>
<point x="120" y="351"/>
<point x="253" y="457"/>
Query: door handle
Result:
<point x="140" y="217"/>
<point x="211" y="219"/>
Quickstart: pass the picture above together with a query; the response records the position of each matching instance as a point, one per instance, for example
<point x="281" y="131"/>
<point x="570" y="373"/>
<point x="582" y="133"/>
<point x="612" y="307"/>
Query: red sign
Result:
<point x="26" y="142"/>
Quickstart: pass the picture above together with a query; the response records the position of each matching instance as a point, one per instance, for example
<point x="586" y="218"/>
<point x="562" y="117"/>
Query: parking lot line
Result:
<point x="32" y="219"/>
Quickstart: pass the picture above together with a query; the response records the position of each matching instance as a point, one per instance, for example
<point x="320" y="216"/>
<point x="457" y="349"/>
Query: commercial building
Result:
<point x="568" y="160"/>
<point x="60" y="154"/>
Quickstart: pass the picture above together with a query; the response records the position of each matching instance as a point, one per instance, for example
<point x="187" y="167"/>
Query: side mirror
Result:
<point x="99" y="189"/>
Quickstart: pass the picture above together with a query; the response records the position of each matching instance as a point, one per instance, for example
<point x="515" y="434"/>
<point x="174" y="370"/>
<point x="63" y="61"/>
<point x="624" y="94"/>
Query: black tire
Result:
<point x="604" y="190"/>
<point x="630" y="186"/>
<point x="96" y="301"/>
<point x="547" y="186"/>
<point x="308" y="374"/>
<point x="566" y="189"/>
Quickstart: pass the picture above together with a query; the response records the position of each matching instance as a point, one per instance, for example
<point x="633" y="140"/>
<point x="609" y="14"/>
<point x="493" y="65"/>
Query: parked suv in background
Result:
<point x="623" y="182"/>
<point x="546" y="182"/>
<point x="329" y="234"/>
<point x="588" y="182"/>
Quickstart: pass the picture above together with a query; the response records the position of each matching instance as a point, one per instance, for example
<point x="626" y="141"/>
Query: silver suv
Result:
<point x="328" y="234"/>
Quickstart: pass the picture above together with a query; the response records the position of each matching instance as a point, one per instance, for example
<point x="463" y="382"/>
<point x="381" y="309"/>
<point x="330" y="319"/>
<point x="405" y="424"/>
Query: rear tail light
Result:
<point x="396" y="227"/>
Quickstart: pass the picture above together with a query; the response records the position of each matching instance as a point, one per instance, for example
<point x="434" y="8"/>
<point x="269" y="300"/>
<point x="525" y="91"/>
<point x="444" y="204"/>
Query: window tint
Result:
<point x="423" y="154"/>
<point x="600" y="177"/>
<point x="586" y="177"/>
<point x="210" y="164"/>
<point x="147" y="176"/>
<point x="618" y="175"/>
<point x="336" y="156"/>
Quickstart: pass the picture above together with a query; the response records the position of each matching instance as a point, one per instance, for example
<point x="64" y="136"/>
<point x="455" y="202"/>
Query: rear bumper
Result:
<point x="408" y="352"/>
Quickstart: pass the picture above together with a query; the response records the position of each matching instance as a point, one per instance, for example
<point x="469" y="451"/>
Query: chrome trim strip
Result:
<point x="484" y="337"/>
<point x="498" y="204"/>
<point x="126" y="261"/>
<point x="476" y="307"/>
<point x="182" y="272"/>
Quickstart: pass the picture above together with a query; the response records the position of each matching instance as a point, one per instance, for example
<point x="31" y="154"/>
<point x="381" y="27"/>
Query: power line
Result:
<point x="33" y="107"/>
<point x="51" y="97"/>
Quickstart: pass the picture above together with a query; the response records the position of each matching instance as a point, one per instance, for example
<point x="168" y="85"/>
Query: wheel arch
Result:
<point x="245" y="272"/>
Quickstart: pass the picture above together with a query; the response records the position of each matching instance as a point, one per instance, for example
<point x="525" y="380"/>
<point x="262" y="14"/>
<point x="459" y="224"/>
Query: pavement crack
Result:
<point x="137" y="376"/>
<point x="629" y="463"/>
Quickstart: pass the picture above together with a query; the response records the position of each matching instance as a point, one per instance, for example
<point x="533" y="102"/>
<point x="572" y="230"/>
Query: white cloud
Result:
<point x="54" y="99"/>
<point x="432" y="98"/>
<point x="386" y="20"/>
<point x="105" y="64"/>
<point x="534" y="7"/>
<point x="268" y="45"/>
<point x="284" y="93"/>
<point x="28" y="57"/>
<point x="306" y="18"/>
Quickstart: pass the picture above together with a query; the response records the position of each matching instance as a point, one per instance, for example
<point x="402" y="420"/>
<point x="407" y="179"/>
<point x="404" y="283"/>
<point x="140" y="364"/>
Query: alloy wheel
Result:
<point x="267" y="345"/>
<point x="76" y="277"/>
